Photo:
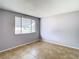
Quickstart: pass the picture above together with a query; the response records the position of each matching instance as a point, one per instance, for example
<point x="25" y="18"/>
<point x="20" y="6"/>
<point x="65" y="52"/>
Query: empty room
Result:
<point x="39" y="29"/>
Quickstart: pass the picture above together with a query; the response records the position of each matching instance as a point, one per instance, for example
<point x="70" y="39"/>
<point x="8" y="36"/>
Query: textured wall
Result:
<point x="63" y="29"/>
<point x="7" y="26"/>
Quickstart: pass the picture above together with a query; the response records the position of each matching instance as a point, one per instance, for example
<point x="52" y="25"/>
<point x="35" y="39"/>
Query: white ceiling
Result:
<point x="40" y="8"/>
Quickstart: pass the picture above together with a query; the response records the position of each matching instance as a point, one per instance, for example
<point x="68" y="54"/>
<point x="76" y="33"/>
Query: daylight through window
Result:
<point x="24" y="25"/>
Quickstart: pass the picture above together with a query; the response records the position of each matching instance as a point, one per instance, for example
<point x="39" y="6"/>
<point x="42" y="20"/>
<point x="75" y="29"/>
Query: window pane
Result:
<point x="33" y="26"/>
<point x="17" y="25"/>
<point x="26" y="25"/>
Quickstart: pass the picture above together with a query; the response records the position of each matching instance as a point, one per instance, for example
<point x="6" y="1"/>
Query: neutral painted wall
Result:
<point x="61" y="29"/>
<point x="7" y="25"/>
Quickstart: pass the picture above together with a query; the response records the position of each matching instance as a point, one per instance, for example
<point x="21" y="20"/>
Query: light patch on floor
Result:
<point x="41" y="50"/>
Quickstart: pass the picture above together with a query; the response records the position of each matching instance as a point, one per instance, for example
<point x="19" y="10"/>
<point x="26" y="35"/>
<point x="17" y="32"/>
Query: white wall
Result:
<point x="61" y="29"/>
<point x="8" y="39"/>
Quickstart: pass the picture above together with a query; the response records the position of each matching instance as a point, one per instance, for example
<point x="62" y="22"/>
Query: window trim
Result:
<point x="21" y="26"/>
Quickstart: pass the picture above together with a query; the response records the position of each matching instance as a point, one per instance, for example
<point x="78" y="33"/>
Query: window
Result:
<point x="24" y="25"/>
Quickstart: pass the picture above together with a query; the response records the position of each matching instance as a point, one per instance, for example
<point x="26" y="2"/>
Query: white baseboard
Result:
<point x="65" y="45"/>
<point x="52" y="42"/>
<point x="19" y="45"/>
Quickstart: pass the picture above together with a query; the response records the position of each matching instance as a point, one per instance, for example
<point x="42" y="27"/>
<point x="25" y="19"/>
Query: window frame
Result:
<point x="21" y="33"/>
